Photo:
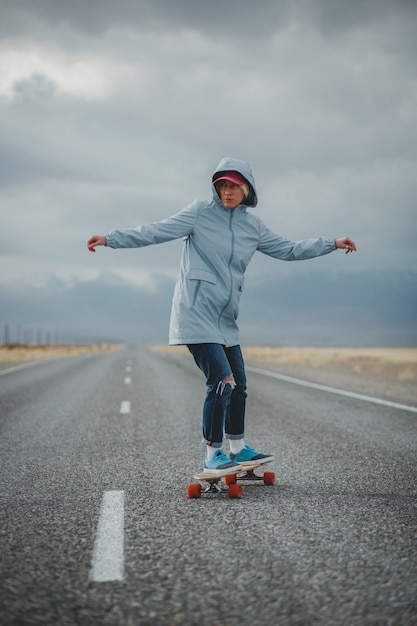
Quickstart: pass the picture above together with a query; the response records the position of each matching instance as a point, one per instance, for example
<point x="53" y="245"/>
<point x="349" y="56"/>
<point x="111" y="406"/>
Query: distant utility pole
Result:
<point x="6" y="336"/>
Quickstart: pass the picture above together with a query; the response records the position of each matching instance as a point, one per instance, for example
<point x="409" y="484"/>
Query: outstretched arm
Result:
<point x="94" y="241"/>
<point x="179" y="225"/>
<point x="345" y="243"/>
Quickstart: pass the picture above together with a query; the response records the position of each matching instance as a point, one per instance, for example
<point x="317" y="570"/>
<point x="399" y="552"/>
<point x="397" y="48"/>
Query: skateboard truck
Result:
<point x="214" y="487"/>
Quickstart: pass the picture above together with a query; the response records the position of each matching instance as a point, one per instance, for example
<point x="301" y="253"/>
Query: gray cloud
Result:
<point x="232" y="18"/>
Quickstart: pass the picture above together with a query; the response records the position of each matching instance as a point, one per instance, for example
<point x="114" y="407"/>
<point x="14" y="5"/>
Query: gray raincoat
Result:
<point x="219" y="243"/>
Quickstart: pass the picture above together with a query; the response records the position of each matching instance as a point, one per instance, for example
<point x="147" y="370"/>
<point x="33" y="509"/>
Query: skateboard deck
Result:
<point x="233" y="490"/>
<point x="247" y="473"/>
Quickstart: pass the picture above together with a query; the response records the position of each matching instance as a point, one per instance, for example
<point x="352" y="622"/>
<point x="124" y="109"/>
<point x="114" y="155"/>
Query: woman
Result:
<point x="221" y="237"/>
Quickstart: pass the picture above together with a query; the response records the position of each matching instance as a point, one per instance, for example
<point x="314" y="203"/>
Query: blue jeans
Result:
<point x="224" y="406"/>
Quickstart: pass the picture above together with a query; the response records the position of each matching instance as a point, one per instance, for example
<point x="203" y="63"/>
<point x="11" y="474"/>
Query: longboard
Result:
<point x="233" y="490"/>
<point x="248" y="473"/>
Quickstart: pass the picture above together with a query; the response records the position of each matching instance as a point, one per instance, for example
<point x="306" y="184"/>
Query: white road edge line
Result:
<point x="23" y="366"/>
<point x="125" y="407"/>
<point x="108" y="555"/>
<point x="340" y="392"/>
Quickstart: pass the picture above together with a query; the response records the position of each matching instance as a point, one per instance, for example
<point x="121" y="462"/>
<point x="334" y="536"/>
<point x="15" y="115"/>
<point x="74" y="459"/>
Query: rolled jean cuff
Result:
<point x="242" y="436"/>
<point x="213" y="444"/>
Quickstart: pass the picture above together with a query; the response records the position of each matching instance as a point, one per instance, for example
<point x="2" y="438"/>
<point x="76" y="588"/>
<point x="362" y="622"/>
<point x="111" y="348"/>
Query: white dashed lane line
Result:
<point x="108" y="555"/>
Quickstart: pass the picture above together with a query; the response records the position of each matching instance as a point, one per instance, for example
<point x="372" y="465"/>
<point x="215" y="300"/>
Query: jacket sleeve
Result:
<point x="280" y="248"/>
<point x="179" y="225"/>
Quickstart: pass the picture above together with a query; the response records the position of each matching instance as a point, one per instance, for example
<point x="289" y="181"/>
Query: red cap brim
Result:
<point x="233" y="177"/>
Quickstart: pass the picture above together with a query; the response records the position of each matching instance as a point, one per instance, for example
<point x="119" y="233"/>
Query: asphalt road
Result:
<point x="96" y="527"/>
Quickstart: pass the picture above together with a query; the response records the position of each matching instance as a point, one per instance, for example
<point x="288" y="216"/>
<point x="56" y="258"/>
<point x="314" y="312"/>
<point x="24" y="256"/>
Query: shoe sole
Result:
<point x="223" y="472"/>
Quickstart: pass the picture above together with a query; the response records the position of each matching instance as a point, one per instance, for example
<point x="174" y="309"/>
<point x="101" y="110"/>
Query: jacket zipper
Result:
<point x="230" y="271"/>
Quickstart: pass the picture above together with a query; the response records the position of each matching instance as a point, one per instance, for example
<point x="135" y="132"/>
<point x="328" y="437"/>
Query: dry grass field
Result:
<point x="393" y="363"/>
<point x="19" y="353"/>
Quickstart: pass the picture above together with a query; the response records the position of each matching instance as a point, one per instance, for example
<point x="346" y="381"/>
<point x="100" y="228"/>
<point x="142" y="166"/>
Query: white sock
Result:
<point x="236" y="445"/>
<point x="211" y="451"/>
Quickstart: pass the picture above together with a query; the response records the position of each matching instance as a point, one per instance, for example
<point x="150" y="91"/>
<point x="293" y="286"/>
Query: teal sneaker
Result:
<point x="248" y="456"/>
<point x="221" y="463"/>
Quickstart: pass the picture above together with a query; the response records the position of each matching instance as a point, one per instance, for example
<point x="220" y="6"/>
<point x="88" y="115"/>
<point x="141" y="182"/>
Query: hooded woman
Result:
<point x="221" y="236"/>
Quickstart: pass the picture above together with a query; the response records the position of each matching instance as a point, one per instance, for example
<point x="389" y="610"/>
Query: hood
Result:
<point x="228" y="164"/>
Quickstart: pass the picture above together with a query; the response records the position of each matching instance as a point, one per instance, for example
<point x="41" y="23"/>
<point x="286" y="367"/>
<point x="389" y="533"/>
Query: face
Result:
<point x="230" y="194"/>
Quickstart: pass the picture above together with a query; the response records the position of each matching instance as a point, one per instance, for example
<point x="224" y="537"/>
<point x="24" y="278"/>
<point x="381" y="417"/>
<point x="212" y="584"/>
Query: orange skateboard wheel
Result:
<point x="235" y="491"/>
<point x="269" y="478"/>
<point x="230" y="479"/>
<point x="194" y="490"/>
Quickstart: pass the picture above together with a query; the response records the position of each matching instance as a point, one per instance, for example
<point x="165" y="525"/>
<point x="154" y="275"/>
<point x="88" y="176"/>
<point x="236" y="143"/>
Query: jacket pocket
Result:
<point x="196" y="277"/>
<point x="206" y="275"/>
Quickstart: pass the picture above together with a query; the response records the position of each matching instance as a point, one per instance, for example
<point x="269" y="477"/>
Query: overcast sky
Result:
<point x="114" y="114"/>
